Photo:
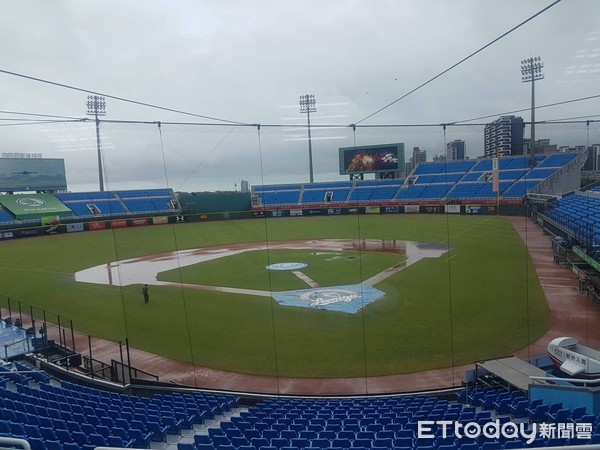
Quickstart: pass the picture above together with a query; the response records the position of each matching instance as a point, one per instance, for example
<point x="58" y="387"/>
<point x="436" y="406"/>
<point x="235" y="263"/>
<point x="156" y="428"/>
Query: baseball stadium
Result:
<point x="436" y="293"/>
<point x="235" y="285"/>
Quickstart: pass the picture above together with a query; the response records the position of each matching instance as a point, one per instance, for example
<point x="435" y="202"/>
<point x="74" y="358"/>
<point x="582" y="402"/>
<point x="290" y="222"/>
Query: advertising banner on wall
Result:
<point x="74" y="227"/>
<point x="472" y="209"/>
<point x="160" y="220"/>
<point x="413" y="209"/>
<point x="6" y="235"/>
<point x="138" y="222"/>
<point x="94" y="226"/>
<point x="453" y="209"/>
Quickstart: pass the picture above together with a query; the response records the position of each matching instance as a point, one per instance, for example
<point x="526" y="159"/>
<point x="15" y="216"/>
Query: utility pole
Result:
<point x="97" y="107"/>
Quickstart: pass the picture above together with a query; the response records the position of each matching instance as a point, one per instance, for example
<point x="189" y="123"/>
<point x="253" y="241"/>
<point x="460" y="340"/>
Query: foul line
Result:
<point x="308" y="280"/>
<point x="468" y="229"/>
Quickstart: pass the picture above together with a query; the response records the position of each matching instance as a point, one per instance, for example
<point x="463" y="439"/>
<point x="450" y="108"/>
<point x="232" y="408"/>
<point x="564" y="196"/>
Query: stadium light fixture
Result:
<point x="97" y="107"/>
<point x="308" y="104"/>
<point x="531" y="70"/>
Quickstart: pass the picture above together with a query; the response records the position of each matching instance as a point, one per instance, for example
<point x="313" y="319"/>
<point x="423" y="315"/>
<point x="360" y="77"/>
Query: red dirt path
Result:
<point x="570" y="312"/>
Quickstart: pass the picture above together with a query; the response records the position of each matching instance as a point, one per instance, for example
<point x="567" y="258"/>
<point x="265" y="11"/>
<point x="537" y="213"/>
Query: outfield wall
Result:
<point x="98" y="225"/>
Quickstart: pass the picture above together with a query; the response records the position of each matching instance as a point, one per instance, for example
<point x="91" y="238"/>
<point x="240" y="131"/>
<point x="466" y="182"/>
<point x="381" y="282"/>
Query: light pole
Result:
<point x="308" y="104"/>
<point x="97" y="107"/>
<point x="531" y="70"/>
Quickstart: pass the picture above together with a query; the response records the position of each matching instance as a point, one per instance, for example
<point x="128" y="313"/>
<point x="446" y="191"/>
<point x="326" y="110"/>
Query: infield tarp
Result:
<point x="29" y="206"/>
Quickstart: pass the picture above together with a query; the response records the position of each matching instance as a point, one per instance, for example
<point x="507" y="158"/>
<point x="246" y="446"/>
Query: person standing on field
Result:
<point x="145" y="293"/>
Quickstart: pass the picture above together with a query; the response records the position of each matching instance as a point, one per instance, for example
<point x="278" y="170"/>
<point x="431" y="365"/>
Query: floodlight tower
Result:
<point x="97" y="107"/>
<point x="308" y="104"/>
<point x="531" y="70"/>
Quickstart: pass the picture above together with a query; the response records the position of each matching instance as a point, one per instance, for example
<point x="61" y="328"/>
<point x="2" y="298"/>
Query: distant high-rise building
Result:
<point x="541" y="146"/>
<point x="418" y="157"/>
<point x="439" y="158"/>
<point x="455" y="150"/>
<point x="504" y="136"/>
<point x="244" y="186"/>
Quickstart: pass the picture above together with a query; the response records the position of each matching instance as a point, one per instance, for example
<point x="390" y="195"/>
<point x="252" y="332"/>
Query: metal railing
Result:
<point x="11" y="443"/>
<point x="585" y="382"/>
<point x="52" y="339"/>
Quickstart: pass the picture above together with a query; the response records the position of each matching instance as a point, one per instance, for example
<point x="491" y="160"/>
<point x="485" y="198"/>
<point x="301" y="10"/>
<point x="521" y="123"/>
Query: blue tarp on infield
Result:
<point x="348" y="299"/>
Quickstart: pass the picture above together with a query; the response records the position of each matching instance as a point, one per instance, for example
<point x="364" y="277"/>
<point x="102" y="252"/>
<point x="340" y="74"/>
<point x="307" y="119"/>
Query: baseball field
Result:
<point x="480" y="299"/>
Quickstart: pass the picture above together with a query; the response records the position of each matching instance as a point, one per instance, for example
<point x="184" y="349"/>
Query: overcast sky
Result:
<point x="249" y="62"/>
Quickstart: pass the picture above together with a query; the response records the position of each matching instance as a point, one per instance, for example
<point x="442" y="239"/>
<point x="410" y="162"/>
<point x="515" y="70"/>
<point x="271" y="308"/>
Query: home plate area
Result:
<point x="348" y="299"/>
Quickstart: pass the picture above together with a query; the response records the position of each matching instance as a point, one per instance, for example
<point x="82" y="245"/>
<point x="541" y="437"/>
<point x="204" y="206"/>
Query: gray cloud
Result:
<point x="248" y="61"/>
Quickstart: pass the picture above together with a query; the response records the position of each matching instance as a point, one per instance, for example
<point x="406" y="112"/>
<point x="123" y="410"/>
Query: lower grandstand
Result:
<point x="48" y="413"/>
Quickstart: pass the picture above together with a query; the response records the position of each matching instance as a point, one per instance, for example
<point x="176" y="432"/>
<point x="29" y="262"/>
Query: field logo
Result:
<point x="286" y="266"/>
<point x="324" y="297"/>
<point x="31" y="202"/>
<point x="348" y="299"/>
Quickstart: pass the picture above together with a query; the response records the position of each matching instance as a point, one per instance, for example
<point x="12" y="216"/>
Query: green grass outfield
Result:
<point x="481" y="300"/>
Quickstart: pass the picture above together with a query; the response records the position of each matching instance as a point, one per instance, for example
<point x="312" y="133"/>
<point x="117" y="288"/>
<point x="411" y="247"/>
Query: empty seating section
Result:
<point x="118" y="203"/>
<point x="279" y="194"/>
<point x="375" y="190"/>
<point x="6" y="217"/>
<point x="444" y="167"/>
<point x="280" y="197"/>
<point x="557" y="160"/>
<point x="541" y="173"/>
<point x="436" y="181"/>
<point x="92" y="203"/>
<point x="362" y="194"/>
<point x="75" y="417"/>
<point x="319" y="196"/>
<point x="326" y="193"/>
<point x="520" y="188"/>
<point x="579" y="213"/>
<point x="383" y="423"/>
<point x="148" y="201"/>
<point x="411" y="192"/>
<point x="473" y="176"/>
<point x="320" y="193"/>
<point x="512" y="174"/>
<point x="445" y="178"/>
<point x="434" y="191"/>
<point x="67" y="416"/>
